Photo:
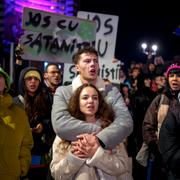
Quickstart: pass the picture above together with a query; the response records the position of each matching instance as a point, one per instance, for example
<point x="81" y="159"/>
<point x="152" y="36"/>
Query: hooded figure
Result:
<point x="15" y="135"/>
<point x="29" y="72"/>
<point x="34" y="100"/>
<point x="35" y="105"/>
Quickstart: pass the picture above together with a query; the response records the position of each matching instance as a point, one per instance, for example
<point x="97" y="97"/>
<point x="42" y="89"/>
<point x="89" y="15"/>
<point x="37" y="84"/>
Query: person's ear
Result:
<point x="77" y="67"/>
<point x="45" y="75"/>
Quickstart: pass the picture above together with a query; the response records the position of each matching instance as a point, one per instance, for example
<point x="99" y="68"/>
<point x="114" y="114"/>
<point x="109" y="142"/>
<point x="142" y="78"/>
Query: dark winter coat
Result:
<point x="42" y="142"/>
<point x="169" y="143"/>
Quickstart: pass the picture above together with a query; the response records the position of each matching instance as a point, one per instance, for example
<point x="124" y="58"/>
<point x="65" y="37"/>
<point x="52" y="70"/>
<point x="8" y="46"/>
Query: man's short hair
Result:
<point x="52" y="64"/>
<point x="87" y="49"/>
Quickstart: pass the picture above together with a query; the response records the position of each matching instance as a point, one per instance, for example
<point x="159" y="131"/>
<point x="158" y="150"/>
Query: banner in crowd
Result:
<point x="106" y="32"/>
<point x="54" y="37"/>
<point x="107" y="71"/>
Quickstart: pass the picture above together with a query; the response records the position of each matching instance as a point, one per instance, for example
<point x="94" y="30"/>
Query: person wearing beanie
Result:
<point x="16" y="139"/>
<point x="34" y="100"/>
<point x="155" y="115"/>
<point x="174" y="68"/>
<point x="169" y="142"/>
<point x="33" y="73"/>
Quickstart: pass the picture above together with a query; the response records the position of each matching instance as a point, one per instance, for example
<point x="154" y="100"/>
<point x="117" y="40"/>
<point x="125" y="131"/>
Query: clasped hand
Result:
<point x="85" y="146"/>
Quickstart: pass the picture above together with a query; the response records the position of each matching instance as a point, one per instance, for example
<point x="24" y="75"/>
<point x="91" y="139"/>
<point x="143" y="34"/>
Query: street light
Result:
<point x="149" y="49"/>
<point x="154" y="48"/>
<point x="144" y="46"/>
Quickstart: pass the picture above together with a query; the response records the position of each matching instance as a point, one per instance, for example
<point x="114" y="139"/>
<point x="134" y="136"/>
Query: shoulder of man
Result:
<point x="64" y="88"/>
<point x="111" y="89"/>
<point x="65" y="91"/>
<point x="111" y="93"/>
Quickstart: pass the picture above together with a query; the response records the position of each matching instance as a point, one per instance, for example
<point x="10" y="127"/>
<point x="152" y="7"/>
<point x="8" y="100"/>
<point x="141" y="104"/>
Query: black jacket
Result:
<point x="169" y="143"/>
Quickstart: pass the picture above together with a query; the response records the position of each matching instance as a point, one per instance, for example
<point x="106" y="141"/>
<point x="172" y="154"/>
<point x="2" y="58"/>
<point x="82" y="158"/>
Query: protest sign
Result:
<point x="106" y="31"/>
<point x="54" y="37"/>
<point x="107" y="71"/>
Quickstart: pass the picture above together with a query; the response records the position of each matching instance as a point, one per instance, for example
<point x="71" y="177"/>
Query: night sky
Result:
<point x="139" y="22"/>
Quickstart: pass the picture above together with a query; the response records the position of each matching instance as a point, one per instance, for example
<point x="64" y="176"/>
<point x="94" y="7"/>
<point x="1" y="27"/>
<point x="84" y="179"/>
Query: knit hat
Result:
<point x="174" y="68"/>
<point x="33" y="73"/>
<point x="6" y="77"/>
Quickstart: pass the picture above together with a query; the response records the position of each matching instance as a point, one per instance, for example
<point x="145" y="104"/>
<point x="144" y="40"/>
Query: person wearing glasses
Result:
<point x="52" y="79"/>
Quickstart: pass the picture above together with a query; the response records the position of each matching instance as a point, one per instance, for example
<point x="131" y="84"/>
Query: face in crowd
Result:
<point x="52" y="75"/>
<point x="87" y="66"/>
<point x="2" y="84"/>
<point x="32" y="81"/>
<point x="160" y="81"/>
<point x="89" y="103"/>
<point x="174" y="81"/>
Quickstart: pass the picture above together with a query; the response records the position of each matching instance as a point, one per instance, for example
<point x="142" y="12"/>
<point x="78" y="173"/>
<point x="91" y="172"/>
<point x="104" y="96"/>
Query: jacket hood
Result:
<point x="21" y="83"/>
<point x="7" y="78"/>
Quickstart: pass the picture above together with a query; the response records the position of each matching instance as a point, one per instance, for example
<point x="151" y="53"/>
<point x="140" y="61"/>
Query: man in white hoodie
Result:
<point x="68" y="128"/>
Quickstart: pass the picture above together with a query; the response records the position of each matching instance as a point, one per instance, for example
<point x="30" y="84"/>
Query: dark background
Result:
<point x="153" y="21"/>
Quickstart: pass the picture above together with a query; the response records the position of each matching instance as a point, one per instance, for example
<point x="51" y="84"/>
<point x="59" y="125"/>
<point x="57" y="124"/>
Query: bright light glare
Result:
<point x="144" y="45"/>
<point x="154" y="47"/>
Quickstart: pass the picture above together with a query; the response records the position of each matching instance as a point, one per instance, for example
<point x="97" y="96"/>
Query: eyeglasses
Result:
<point x="54" y="72"/>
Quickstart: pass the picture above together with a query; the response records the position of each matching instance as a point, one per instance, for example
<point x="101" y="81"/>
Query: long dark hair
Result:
<point x="35" y="106"/>
<point x="104" y="112"/>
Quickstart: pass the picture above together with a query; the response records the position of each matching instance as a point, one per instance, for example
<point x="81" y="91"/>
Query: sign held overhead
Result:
<point x="54" y="37"/>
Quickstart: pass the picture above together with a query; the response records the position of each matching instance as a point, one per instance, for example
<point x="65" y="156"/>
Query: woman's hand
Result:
<point x="85" y="146"/>
<point x="38" y="129"/>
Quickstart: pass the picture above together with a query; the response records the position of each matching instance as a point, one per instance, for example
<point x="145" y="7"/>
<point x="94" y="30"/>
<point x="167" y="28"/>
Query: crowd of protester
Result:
<point x="149" y="92"/>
